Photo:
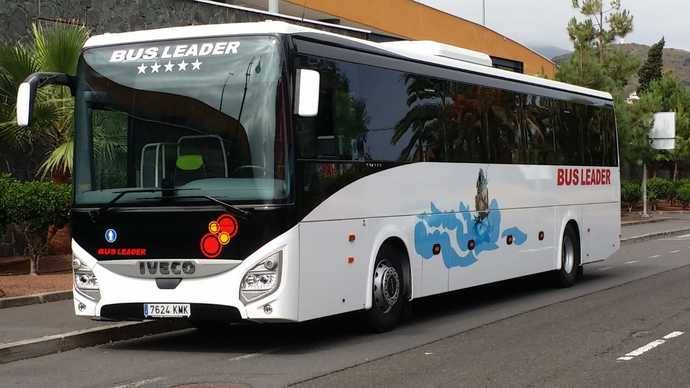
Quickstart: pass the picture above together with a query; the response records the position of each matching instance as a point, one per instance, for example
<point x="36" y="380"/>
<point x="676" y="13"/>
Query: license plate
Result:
<point x="166" y="310"/>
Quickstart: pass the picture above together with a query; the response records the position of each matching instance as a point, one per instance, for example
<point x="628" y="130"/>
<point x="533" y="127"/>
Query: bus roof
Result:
<point x="278" y="27"/>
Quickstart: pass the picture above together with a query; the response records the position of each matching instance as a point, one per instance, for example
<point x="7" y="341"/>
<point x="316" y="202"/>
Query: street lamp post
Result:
<point x="484" y="12"/>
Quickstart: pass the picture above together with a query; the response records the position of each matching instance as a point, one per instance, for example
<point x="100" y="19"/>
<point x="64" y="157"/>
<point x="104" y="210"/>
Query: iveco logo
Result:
<point x="180" y="268"/>
<point x="111" y="235"/>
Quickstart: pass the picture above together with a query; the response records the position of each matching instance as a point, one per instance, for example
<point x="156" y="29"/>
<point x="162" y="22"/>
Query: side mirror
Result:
<point x="307" y="93"/>
<point x="25" y="103"/>
<point x="26" y="94"/>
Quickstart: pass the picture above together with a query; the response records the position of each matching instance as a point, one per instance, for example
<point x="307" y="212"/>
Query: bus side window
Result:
<point x="594" y="136"/>
<point x="608" y="125"/>
<point x="539" y="129"/>
<point x="568" y="133"/>
<point x="467" y="139"/>
<point x="503" y="126"/>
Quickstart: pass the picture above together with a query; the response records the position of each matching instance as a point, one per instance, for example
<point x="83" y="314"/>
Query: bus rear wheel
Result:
<point x="388" y="296"/>
<point x="567" y="275"/>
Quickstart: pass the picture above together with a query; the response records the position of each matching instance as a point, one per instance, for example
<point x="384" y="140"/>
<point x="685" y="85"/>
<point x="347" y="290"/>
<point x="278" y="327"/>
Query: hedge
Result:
<point x="32" y="208"/>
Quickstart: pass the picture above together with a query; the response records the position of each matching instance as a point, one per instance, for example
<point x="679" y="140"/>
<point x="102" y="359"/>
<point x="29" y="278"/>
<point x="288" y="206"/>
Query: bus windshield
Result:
<point x="198" y="115"/>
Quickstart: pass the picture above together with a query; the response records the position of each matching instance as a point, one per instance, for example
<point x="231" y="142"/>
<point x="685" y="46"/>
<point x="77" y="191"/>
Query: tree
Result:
<point x="668" y="94"/>
<point x="595" y="63"/>
<point x="653" y="68"/>
<point x="49" y="140"/>
<point x="602" y="25"/>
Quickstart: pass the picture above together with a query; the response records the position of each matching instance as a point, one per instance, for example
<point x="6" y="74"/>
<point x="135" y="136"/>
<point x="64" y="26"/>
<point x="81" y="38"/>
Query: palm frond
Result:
<point x="16" y="63"/>
<point x="57" y="49"/>
<point x="59" y="161"/>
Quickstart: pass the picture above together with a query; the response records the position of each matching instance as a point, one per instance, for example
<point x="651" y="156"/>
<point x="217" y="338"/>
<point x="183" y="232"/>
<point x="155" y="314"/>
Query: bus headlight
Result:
<point x="262" y="280"/>
<point x="85" y="280"/>
<point x="86" y="283"/>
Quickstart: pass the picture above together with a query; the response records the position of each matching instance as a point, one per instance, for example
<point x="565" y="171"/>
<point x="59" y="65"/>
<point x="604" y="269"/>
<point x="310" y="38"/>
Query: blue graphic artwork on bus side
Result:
<point x="483" y="229"/>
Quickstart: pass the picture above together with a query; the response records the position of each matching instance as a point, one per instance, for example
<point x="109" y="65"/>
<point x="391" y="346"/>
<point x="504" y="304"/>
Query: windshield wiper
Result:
<point x="109" y="205"/>
<point x="230" y="207"/>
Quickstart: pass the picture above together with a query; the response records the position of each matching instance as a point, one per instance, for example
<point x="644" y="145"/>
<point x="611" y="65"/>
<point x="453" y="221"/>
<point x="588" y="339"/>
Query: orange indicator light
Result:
<point x="350" y="259"/>
<point x="213" y="227"/>
<point x="224" y="238"/>
<point x="351" y="237"/>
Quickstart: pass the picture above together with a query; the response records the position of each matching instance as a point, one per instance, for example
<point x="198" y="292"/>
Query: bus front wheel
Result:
<point x="388" y="295"/>
<point x="570" y="259"/>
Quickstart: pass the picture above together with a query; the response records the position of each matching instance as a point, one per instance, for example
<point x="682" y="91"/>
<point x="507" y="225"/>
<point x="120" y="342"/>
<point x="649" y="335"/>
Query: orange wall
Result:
<point x="415" y="21"/>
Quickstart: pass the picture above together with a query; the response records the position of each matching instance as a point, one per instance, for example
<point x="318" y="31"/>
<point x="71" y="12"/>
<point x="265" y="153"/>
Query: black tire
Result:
<point x="570" y="269"/>
<point x="389" y="297"/>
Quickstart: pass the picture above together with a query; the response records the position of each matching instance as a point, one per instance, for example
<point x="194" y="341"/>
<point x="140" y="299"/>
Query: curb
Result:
<point x="651" y="236"/>
<point x="17" y="301"/>
<point x="647" y="221"/>
<point x="35" y="347"/>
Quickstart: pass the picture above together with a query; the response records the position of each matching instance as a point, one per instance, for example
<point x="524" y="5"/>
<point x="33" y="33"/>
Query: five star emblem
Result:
<point x="169" y="67"/>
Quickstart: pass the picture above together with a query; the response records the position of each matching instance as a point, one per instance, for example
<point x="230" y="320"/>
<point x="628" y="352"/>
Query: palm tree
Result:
<point x="49" y="141"/>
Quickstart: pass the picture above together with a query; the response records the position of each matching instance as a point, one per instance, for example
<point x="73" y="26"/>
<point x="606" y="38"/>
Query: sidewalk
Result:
<point x="38" y="320"/>
<point x="35" y="324"/>
<point x="672" y="222"/>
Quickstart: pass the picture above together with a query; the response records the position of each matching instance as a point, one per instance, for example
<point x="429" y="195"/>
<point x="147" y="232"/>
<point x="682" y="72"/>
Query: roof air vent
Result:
<point x="431" y="48"/>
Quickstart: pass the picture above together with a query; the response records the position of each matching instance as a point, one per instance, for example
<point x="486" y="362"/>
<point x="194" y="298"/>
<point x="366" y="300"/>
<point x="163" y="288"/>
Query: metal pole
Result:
<point x="274" y="6"/>
<point x="644" y="191"/>
<point x="484" y="12"/>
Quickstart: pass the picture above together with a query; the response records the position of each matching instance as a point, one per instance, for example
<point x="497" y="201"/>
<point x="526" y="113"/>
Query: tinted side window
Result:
<point x="503" y="127"/>
<point x="385" y="95"/>
<point x="540" y="129"/>
<point x="593" y="139"/>
<point x="568" y="134"/>
<point x="466" y="138"/>
<point x="610" y="146"/>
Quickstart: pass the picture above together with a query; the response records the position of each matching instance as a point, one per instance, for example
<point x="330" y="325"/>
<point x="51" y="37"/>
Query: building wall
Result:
<point x="416" y="21"/>
<point x="119" y="15"/>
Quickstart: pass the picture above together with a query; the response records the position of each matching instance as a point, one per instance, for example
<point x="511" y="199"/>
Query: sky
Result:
<point x="543" y="22"/>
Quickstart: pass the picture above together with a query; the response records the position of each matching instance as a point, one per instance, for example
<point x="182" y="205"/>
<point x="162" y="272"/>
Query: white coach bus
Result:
<point x="271" y="172"/>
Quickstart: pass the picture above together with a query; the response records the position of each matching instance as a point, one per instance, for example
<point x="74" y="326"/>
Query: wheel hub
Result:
<point x="386" y="286"/>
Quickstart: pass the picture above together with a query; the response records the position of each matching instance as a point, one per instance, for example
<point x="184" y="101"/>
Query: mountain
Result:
<point x="675" y="60"/>
<point x="550" y="51"/>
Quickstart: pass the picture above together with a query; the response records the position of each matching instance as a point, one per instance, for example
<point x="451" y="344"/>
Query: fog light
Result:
<point x="76" y="264"/>
<point x="268" y="309"/>
<point x="81" y="306"/>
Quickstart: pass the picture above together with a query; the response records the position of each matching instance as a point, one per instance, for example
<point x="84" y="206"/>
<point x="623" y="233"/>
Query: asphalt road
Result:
<point x="516" y="333"/>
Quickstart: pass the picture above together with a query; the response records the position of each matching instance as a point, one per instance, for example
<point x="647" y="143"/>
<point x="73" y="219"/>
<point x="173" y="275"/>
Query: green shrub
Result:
<point x="660" y="189"/>
<point x="683" y="194"/>
<point x="32" y="207"/>
<point x="5" y="182"/>
<point x="631" y="193"/>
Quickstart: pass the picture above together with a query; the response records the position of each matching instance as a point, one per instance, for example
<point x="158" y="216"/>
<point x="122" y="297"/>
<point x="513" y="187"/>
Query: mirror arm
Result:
<point x="43" y="79"/>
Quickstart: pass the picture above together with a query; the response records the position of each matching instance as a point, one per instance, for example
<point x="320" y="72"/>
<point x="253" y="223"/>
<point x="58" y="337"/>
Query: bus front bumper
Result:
<point x="216" y="297"/>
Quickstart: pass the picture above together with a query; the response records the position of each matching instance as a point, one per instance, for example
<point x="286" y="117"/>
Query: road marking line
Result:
<point x="631" y="262"/>
<point x="252" y="355"/>
<point x="644" y="349"/>
<point x="140" y="383"/>
<point x="676" y="251"/>
<point x="673" y="335"/>
<point x="654" y="256"/>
